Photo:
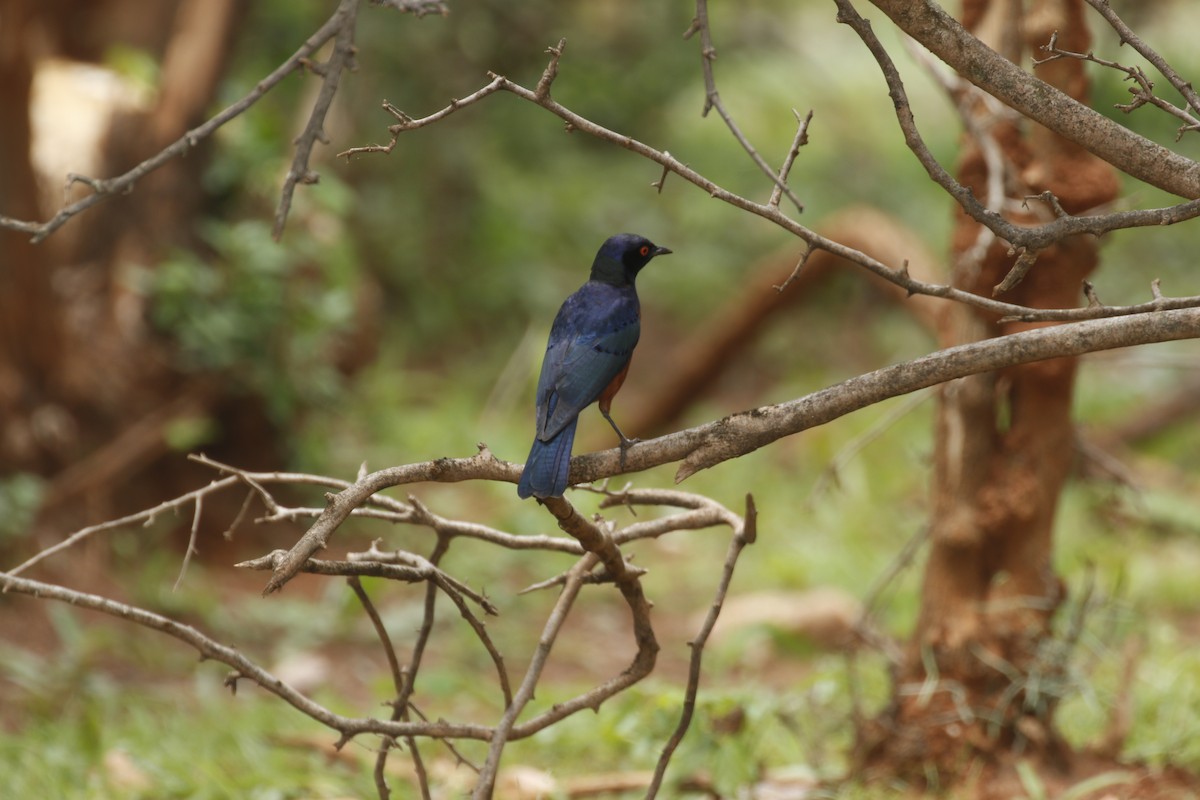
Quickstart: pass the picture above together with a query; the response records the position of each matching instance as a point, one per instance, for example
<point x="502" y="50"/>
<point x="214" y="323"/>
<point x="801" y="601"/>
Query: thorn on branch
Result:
<point x="1049" y="199"/>
<point x="750" y="526"/>
<point x="315" y="67"/>
<point x="658" y="184"/>
<point x="795" y="272"/>
<point x="401" y="117"/>
<point x="1025" y="261"/>
<point x="1090" y="292"/>
<point x="542" y="90"/>
<point x="1156" y="289"/>
<point x="231" y="681"/>
<point x="95" y="184"/>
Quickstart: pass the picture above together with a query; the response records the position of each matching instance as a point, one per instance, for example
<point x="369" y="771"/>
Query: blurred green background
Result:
<point x="437" y="269"/>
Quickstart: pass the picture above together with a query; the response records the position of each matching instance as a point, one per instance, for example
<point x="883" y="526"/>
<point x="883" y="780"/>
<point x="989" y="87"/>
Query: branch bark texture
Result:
<point x="712" y="443"/>
<point x="1129" y="152"/>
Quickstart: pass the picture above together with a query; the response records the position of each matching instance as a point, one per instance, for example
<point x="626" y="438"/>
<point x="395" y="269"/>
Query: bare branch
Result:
<point x="144" y="518"/>
<point x="359" y="567"/>
<point x="744" y="533"/>
<point x="1033" y="238"/>
<point x="929" y="24"/>
<point x="712" y="99"/>
<point x="1142" y="90"/>
<point x="799" y="141"/>
<point x="341" y="59"/>
<point x="710" y="444"/>
<point x="191" y="545"/>
<point x="1104" y="8"/>
<point x="745" y="432"/>
<point x="243" y="667"/>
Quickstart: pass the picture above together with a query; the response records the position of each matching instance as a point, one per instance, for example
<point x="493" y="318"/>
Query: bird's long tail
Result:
<point x="546" y="468"/>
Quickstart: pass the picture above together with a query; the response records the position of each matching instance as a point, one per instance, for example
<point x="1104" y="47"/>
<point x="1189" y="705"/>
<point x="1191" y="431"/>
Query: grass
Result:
<point x="178" y="742"/>
<point x="112" y="713"/>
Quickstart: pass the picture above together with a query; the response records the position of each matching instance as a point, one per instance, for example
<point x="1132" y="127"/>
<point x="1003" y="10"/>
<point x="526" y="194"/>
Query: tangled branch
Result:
<point x="597" y="548"/>
<point x="1142" y="88"/>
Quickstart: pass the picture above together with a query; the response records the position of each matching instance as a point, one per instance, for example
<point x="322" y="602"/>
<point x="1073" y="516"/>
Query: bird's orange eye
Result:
<point x="645" y="251"/>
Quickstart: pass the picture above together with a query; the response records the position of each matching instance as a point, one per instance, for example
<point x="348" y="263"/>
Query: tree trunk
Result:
<point x="81" y="374"/>
<point x="32" y="429"/>
<point x="968" y="686"/>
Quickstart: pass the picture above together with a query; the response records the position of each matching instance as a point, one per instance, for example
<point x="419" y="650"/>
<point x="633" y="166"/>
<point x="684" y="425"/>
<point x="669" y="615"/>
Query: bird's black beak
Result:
<point x="661" y="251"/>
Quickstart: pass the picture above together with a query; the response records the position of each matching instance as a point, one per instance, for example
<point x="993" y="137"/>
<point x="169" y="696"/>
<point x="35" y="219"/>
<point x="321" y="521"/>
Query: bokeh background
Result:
<point x="402" y="318"/>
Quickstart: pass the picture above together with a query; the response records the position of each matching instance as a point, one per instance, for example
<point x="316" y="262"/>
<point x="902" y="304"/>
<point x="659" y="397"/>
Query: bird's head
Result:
<point x="621" y="257"/>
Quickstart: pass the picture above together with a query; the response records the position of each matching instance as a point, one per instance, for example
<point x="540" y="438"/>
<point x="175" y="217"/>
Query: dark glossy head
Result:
<point x="622" y="257"/>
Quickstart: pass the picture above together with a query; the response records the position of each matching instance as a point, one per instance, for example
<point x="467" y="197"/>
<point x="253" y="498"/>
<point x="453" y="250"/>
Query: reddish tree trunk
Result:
<point x="1004" y="447"/>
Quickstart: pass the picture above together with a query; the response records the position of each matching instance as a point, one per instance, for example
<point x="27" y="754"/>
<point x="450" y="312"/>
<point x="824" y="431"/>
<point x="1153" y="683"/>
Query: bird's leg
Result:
<point x="626" y="442"/>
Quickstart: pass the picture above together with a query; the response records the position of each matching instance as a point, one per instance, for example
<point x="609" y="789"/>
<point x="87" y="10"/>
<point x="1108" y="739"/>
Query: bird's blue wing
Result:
<point x="591" y="341"/>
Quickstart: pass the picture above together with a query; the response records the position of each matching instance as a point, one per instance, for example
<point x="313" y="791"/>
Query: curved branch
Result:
<point x="1032" y="238"/>
<point x="736" y="435"/>
<point x="1104" y="9"/>
<point x="1135" y="155"/>
<point x="243" y="667"/>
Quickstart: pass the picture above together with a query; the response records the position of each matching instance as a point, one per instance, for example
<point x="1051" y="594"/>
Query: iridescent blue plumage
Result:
<point x="587" y="356"/>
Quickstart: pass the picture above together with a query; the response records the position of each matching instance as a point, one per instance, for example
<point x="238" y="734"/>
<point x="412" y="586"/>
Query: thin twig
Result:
<point x="244" y="668"/>
<point x="1142" y="89"/>
<point x="389" y="652"/>
<point x="799" y="141"/>
<point x="1035" y="238"/>
<point x="1130" y="38"/>
<point x="455" y="590"/>
<point x="745" y="533"/>
<point x="144" y="518"/>
<point x="712" y="100"/>
<point x="340" y="60"/>
<point x="554" y="623"/>
<point x="191" y="545"/>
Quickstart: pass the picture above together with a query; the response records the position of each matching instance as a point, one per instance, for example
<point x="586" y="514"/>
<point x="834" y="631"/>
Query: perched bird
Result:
<point x="587" y="358"/>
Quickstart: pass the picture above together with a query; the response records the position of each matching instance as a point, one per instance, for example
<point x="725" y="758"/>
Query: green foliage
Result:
<point x="172" y="742"/>
<point x="20" y="499"/>
<point x="470" y="234"/>
<point x="268" y="317"/>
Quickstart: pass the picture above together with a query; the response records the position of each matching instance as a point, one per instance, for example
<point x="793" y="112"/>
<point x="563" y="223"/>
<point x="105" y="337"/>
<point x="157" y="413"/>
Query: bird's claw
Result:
<point x="625" y="445"/>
